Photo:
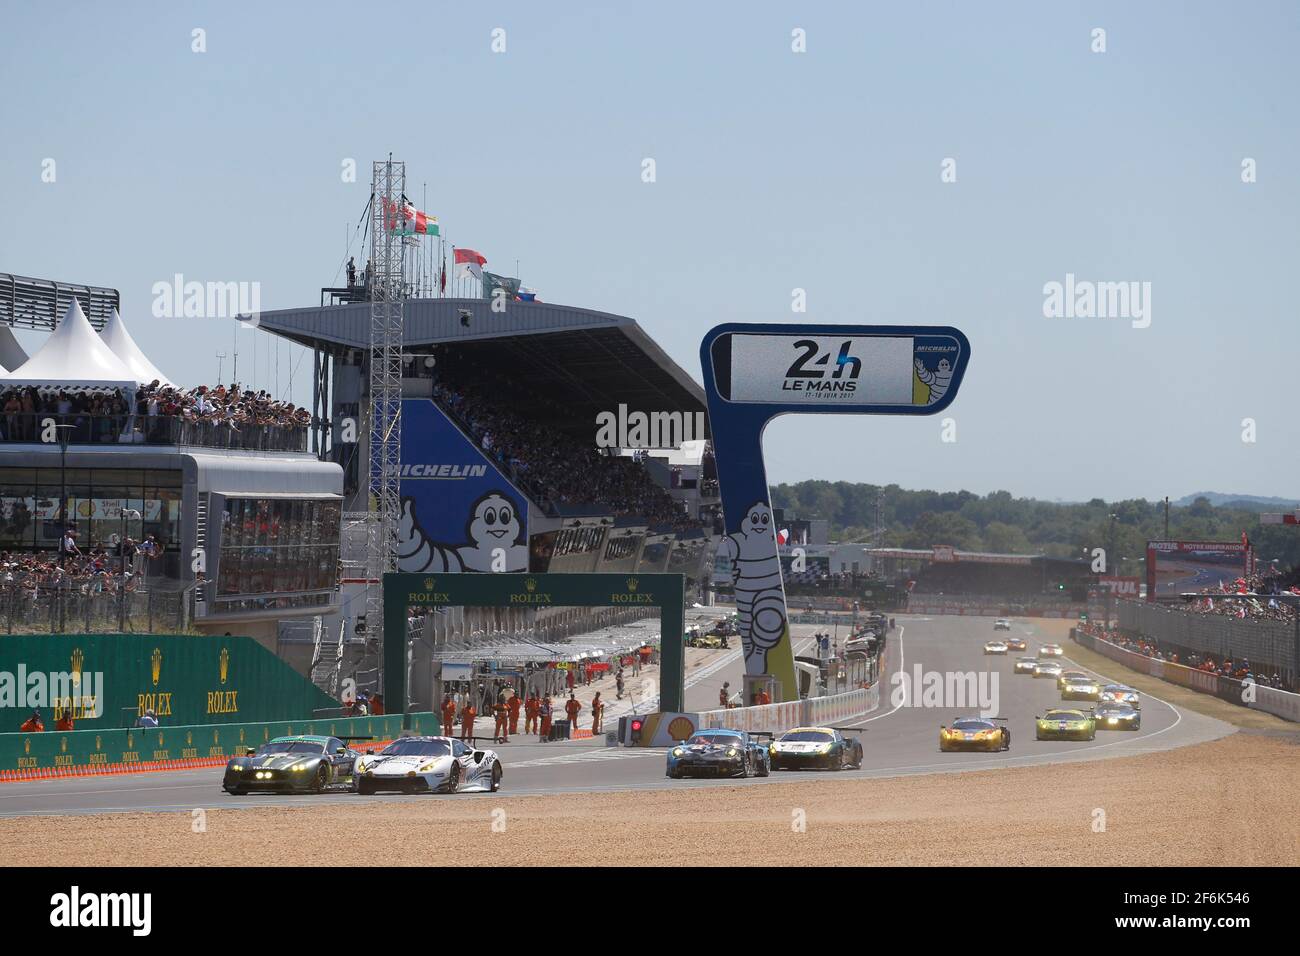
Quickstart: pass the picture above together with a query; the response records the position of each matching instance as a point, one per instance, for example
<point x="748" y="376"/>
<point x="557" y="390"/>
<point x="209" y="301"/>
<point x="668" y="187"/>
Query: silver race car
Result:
<point x="1047" y="668"/>
<point x="1026" y="665"/>
<point x="429" y="765"/>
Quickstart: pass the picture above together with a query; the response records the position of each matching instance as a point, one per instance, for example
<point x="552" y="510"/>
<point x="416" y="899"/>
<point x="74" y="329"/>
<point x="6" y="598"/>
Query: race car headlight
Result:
<point x="678" y="752"/>
<point x="731" y="752"/>
<point x="300" y="766"/>
<point x="824" y="749"/>
<point x="428" y="766"/>
<point x="237" y="767"/>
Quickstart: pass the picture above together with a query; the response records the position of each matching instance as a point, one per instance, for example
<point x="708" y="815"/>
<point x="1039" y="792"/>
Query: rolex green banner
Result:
<point x="22" y="755"/>
<point x="107" y="681"/>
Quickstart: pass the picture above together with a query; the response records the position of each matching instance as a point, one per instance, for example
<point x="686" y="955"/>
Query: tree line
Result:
<point x="1001" y="523"/>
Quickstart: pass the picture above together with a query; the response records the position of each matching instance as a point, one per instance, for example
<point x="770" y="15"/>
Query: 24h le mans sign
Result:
<point x="755" y="372"/>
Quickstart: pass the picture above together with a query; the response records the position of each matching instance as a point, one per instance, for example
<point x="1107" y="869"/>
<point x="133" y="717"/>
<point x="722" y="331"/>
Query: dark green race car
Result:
<point x="816" y="748"/>
<point x="305" y="764"/>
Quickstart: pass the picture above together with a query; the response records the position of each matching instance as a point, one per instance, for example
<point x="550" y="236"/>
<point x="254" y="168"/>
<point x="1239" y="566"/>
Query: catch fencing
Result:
<point x="1280" y="703"/>
<point x="1264" y="642"/>
<point x="90" y="609"/>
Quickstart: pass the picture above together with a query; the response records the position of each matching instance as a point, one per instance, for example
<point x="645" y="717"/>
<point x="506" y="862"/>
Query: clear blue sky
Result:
<point x="776" y="170"/>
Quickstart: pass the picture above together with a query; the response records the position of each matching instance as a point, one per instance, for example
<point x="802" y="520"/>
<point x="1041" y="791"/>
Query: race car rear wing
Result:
<point x="850" y="730"/>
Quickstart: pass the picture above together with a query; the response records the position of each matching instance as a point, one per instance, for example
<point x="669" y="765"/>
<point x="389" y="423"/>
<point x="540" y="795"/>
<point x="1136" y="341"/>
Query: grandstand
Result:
<point x="946" y="570"/>
<point x="499" y="464"/>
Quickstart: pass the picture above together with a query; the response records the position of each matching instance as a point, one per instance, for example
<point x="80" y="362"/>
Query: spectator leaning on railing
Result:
<point x="105" y="414"/>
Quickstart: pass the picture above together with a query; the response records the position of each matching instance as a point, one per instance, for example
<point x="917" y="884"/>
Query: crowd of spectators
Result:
<point x="110" y="414"/>
<point x="1254" y="598"/>
<point x="1226" y="666"/>
<point x="96" y="569"/>
<point x="556" y="469"/>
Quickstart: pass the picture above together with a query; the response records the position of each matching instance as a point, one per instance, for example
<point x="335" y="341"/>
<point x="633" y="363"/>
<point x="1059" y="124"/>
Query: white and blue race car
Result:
<point x="428" y="765"/>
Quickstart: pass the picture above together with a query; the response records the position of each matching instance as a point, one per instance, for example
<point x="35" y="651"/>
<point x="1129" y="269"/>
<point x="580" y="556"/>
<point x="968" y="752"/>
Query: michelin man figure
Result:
<point x="938" y="380"/>
<point x="756" y="575"/>
<point x="493" y="531"/>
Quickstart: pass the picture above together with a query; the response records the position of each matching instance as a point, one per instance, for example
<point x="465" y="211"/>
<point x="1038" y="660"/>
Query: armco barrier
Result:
<point x="31" y="756"/>
<point x="799" y="713"/>
<point x="1280" y="703"/>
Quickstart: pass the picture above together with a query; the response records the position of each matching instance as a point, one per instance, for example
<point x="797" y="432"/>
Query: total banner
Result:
<point x="755" y="372"/>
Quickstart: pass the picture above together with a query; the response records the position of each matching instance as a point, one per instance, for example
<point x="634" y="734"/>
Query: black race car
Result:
<point x="719" y="753"/>
<point x="305" y="764"/>
<point x="1117" y="716"/>
<point x="816" y="748"/>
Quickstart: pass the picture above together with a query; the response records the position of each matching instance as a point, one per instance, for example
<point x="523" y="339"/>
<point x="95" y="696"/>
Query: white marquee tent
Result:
<point x="73" y="356"/>
<point x="119" y="340"/>
<point x="11" y="353"/>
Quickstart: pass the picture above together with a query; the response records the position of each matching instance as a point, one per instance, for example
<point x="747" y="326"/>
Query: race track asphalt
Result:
<point x="899" y="738"/>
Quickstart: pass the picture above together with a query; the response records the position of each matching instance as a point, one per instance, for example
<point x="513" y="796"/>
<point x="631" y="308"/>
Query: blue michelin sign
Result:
<point x="459" y="512"/>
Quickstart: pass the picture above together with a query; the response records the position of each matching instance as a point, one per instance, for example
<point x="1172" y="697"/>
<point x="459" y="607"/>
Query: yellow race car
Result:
<point x="974" y="733"/>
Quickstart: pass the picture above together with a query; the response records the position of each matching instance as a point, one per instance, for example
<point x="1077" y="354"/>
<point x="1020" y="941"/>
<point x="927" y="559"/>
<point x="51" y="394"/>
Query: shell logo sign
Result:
<point x="679" y="728"/>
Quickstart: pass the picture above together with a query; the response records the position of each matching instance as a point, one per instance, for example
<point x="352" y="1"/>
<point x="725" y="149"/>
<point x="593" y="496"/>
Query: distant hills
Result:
<point x="1219" y="500"/>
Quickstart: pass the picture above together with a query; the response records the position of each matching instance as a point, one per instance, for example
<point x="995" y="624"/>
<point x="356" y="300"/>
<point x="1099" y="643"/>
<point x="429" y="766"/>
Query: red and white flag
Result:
<point x="469" y="264"/>
<point x="783" y="536"/>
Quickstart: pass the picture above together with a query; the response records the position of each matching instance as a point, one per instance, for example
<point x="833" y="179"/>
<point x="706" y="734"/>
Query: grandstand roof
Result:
<point x="593" y="360"/>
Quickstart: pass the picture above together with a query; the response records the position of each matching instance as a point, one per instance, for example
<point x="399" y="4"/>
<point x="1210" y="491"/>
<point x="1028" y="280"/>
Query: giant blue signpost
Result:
<point x="755" y="372"/>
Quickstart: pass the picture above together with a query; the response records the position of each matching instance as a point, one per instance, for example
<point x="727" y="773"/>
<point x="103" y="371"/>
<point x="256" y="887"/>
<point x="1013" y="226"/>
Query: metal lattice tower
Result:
<point x="384" y="427"/>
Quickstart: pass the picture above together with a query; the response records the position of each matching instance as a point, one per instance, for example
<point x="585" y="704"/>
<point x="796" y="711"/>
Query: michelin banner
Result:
<point x="459" y="513"/>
